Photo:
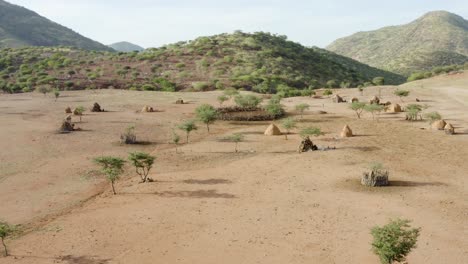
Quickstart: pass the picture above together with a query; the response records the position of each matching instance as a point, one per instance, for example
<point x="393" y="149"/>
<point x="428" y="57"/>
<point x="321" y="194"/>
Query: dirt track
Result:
<point x="266" y="204"/>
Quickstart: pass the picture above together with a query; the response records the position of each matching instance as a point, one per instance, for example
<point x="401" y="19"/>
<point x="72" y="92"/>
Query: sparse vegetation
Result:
<point x="247" y="101"/>
<point x="377" y="176"/>
<point x="175" y="139"/>
<point x="222" y="98"/>
<point x="433" y="116"/>
<point x="56" y="94"/>
<point x="394" y="241"/>
<point x="413" y="112"/>
<point x="143" y="162"/>
<point x="79" y="111"/>
<point x="112" y="167"/>
<point x="43" y="89"/>
<point x="373" y="109"/>
<point x="327" y="92"/>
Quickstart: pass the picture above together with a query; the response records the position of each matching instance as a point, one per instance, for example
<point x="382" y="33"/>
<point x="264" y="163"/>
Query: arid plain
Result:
<point x="265" y="204"/>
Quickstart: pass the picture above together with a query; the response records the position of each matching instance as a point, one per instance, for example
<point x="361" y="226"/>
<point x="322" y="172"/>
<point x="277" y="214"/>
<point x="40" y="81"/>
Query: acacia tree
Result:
<point x="301" y="108"/>
<point x="207" y="114"/>
<point x="401" y="93"/>
<point x="188" y="126"/>
<point x="44" y="89"/>
<point x="5" y="231"/>
<point x="112" y="167"/>
<point x="288" y="124"/>
<point x="358" y="107"/>
<point x="236" y="138"/>
<point x="394" y="241"/>
<point x="143" y="163"/>
<point x="373" y="109"/>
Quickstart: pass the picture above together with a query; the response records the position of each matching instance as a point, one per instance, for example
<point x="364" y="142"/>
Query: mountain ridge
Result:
<point x="20" y="27"/>
<point x="401" y="48"/>
<point x="125" y="46"/>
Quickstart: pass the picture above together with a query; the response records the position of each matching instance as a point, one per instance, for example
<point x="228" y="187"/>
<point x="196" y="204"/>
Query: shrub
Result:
<point x="332" y="84"/>
<point x="236" y="138"/>
<point x="200" y="86"/>
<point x="129" y="136"/>
<point x="79" y="111"/>
<point x="222" y="98"/>
<point x="112" y="167"/>
<point x="175" y="139"/>
<point x="433" y="116"/>
<point x="56" y="94"/>
<point x="301" y="108"/>
<point x="378" y="81"/>
<point x="247" y="101"/>
<point x="44" y="89"/>
<point x="327" y="92"/>
<point x="207" y="114"/>
<point x="143" y="163"/>
<point x="311" y="131"/>
<point x="288" y="124"/>
<point x="394" y="241"/>
<point x="401" y="93"/>
<point x="231" y="92"/>
<point x="5" y="231"/>
<point x="413" y="112"/>
<point x="188" y="126"/>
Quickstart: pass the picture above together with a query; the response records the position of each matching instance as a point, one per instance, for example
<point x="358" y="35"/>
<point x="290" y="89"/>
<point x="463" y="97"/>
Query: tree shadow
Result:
<point x="208" y="182"/>
<point x="195" y="194"/>
<point x="363" y="148"/>
<point x="83" y="260"/>
<point x="414" y="184"/>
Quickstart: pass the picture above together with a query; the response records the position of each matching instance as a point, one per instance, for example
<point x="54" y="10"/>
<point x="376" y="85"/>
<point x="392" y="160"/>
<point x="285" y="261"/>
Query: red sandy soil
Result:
<point x="265" y="204"/>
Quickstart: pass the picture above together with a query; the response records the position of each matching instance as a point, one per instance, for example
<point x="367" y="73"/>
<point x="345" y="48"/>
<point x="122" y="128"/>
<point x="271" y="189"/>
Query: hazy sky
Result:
<point x="157" y="22"/>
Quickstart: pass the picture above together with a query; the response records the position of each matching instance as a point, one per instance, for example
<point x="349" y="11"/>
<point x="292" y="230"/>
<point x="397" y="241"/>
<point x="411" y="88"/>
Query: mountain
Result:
<point x="21" y="27"/>
<point x="438" y="38"/>
<point x="260" y="62"/>
<point x="126" y="47"/>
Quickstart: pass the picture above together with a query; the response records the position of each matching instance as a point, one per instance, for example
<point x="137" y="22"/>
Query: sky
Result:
<point x="153" y="23"/>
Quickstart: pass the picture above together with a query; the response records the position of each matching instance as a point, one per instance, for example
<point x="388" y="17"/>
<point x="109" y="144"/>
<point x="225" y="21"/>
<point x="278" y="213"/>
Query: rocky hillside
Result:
<point x="21" y="27"/>
<point x="436" y="39"/>
<point x="260" y="62"/>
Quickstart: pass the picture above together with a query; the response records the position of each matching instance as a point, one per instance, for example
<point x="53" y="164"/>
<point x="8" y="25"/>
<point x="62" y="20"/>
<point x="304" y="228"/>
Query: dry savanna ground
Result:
<point x="265" y="204"/>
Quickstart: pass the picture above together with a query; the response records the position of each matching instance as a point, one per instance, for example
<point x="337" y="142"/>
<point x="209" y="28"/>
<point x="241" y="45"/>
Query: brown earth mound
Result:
<point x="449" y="129"/>
<point x="272" y="130"/>
<point x="393" y="108"/>
<point x="96" y="108"/>
<point x="439" y="124"/>
<point x="68" y="110"/>
<point x="346" y="132"/>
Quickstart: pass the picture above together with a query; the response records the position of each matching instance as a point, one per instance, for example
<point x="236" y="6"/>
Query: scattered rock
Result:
<point x="375" y="179"/>
<point x="68" y="118"/>
<point x="417" y="100"/>
<point x="272" y="130"/>
<point x="394" y="108"/>
<point x="68" y="110"/>
<point x="439" y="124"/>
<point x="346" y="132"/>
<point x="449" y="129"/>
<point x="66" y="126"/>
<point x="179" y="101"/>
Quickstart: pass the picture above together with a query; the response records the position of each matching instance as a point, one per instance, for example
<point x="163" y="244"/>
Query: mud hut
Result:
<point x="346" y="132"/>
<point x="439" y="124"/>
<point x="272" y="130"/>
<point x="179" y="101"/>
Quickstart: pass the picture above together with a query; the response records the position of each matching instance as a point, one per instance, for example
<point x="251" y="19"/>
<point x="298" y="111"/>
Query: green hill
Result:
<point x="436" y="39"/>
<point x="260" y="62"/>
<point x="22" y="27"/>
<point x="126" y="47"/>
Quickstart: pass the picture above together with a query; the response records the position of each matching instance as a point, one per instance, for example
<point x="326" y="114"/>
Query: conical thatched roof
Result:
<point x="272" y="130"/>
<point x="449" y="129"/>
<point x="394" y="108"/>
<point x="346" y="132"/>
